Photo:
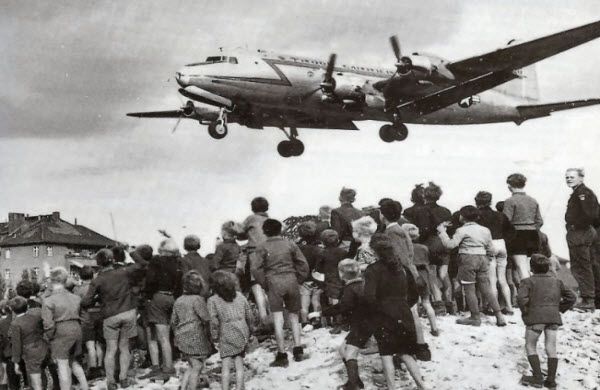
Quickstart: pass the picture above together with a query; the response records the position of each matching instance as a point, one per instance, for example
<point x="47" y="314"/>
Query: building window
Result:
<point x="49" y="251"/>
<point x="35" y="273"/>
<point x="7" y="254"/>
<point x="7" y="274"/>
<point x="36" y="251"/>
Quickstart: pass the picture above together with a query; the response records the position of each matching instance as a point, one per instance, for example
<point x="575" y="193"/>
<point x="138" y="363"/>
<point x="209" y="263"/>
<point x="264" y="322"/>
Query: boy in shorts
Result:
<point x="274" y="267"/>
<point x="541" y="298"/>
<point x="475" y="248"/>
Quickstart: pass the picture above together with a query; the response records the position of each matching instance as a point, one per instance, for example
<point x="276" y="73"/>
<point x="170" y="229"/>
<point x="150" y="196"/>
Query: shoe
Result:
<point x="469" y="321"/>
<point x="423" y="353"/>
<point x="451" y="308"/>
<point x="500" y="321"/>
<point x="154" y="370"/>
<point x="354" y="382"/>
<point x="439" y="307"/>
<point x="127" y="382"/>
<point x="112" y="386"/>
<point x="435" y="333"/>
<point x="532" y="381"/>
<point x="298" y="353"/>
<point x="550" y="384"/>
<point x="281" y="360"/>
<point x="507" y="312"/>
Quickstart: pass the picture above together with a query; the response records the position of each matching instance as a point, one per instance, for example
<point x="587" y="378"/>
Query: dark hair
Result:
<point x="500" y="206"/>
<point x="483" y="199"/>
<point x="383" y="200"/>
<point x="104" y="257"/>
<point x="144" y="251"/>
<point x="18" y="305"/>
<point x="193" y="283"/>
<point x="516" y="180"/>
<point x="540" y="264"/>
<point x="384" y="249"/>
<point x="224" y="284"/>
<point x="191" y="243"/>
<point x="416" y="195"/>
<point x="432" y="192"/>
<point x="24" y="289"/>
<point x="271" y="227"/>
<point x="259" y="205"/>
<point x="391" y="210"/>
<point x="118" y="254"/>
<point x="470" y="213"/>
<point x="87" y="273"/>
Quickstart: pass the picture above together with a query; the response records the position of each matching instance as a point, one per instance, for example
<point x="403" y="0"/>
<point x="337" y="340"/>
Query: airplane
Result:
<point x="258" y="89"/>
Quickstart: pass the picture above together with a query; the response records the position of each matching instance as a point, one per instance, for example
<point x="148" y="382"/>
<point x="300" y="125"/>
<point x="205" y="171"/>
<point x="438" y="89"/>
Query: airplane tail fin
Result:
<point x="539" y="110"/>
<point x="525" y="87"/>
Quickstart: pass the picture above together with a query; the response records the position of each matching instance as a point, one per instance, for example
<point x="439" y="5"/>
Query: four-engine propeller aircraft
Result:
<point x="263" y="89"/>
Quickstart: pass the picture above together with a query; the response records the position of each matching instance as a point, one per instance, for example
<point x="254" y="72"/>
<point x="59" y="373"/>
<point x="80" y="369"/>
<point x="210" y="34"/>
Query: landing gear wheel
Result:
<point x="387" y="133"/>
<point x="401" y="132"/>
<point x="297" y="147"/>
<point x="285" y="149"/>
<point x="217" y="129"/>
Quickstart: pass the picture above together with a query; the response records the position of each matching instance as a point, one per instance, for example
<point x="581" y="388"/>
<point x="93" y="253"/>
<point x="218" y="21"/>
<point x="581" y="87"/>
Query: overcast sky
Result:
<point x="71" y="70"/>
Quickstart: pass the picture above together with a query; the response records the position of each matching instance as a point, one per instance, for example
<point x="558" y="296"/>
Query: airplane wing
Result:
<point x="157" y="114"/>
<point x="524" y="54"/>
<point x="540" y="110"/>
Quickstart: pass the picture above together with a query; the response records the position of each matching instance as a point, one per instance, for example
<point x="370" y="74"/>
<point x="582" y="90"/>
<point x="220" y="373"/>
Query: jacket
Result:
<point x="542" y="297"/>
<point x="59" y="307"/>
<point x="427" y="218"/>
<point x="313" y="254"/>
<point x="470" y="238"/>
<point x="276" y="256"/>
<point x="582" y="209"/>
<point x="342" y="218"/>
<point x="164" y="274"/>
<point x="192" y="261"/>
<point x="26" y="329"/>
<point x="329" y="267"/>
<point x="227" y="255"/>
<point x="523" y="212"/>
<point x="497" y="222"/>
<point x="352" y="303"/>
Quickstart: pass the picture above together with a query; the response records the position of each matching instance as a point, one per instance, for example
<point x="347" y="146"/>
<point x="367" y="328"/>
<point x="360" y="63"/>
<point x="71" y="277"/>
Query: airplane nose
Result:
<point x="182" y="79"/>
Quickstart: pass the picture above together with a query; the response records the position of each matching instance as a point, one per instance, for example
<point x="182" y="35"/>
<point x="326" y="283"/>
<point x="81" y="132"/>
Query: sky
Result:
<point x="71" y="70"/>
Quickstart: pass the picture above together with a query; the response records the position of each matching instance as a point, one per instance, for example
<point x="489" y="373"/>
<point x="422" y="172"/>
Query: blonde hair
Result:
<point x="59" y="275"/>
<point x="412" y="230"/>
<point x="348" y="269"/>
<point x="364" y="228"/>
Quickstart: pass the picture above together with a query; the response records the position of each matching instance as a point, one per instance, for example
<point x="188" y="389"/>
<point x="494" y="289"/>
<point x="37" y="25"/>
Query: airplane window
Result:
<point x="215" y="59"/>
<point x="233" y="60"/>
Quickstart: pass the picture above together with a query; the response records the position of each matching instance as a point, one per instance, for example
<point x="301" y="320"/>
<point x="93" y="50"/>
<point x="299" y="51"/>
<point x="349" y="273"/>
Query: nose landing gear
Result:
<point x="218" y="128"/>
<point x="293" y="147"/>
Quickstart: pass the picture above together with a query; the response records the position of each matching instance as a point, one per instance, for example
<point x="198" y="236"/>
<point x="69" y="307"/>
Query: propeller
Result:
<point x="186" y="110"/>
<point x="403" y="64"/>
<point x="176" y="124"/>
<point x="328" y="84"/>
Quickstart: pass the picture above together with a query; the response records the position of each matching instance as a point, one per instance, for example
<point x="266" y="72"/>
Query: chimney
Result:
<point x="75" y="221"/>
<point x="15" y="221"/>
<point x="56" y="215"/>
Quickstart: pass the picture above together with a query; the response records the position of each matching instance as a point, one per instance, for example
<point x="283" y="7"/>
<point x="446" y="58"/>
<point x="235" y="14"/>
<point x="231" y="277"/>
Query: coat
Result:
<point x="542" y="298"/>
<point x="351" y="303"/>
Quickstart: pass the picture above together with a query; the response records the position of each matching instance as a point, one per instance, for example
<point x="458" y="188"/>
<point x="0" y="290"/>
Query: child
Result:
<point x="541" y="298"/>
<point x="190" y="320"/>
<point x="332" y="255"/>
<point x="228" y="251"/>
<point x="475" y="247"/>
<point x="60" y="315"/>
<point x="230" y="325"/>
<point x="310" y="290"/>
<point x="192" y="261"/>
<point x="27" y="343"/>
<point x="362" y="231"/>
<point x="351" y="304"/>
<point x="421" y="261"/>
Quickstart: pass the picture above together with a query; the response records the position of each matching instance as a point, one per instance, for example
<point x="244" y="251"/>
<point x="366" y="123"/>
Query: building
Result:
<point x="28" y="242"/>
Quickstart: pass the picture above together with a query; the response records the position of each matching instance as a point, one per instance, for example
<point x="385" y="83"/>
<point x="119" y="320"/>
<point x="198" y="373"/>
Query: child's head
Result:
<point x="259" y="205"/>
<point x="416" y="196"/>
<point x="391" y="210"/>
<point x="329" y="237"/>
<point x="193" y="283"/>
<point x="325" y="212"/>
<point x="104" y="257"/>
<point x="59" y="275"/>
<point x="230" y="230"/>
<point x="363" y="229"/>
<point x="500" y="206"/>
<point x="516" y="181"/>
<point x="307" y="230"/>
<point x="4" y="307"/>
<point x="118" y="254"/>
<point x="348" y="269"/>
<point x="24" y="289"/>
<point x="18" y="305"/>
<point x="540" y="264"/>
<point x="412" y="230"/>
<point x="469" y="214"/>
<point x="347" y="195"/>
<point x="144" y="251"/>
<point x="483" y="199"/>
<point x="168" y="248"/>
<point x="432" y="193"/>
<point x="272" y="227"/>
<point x="87" y="273"/>
<point x="224" y="284"/>
<point x="191" y="243"/>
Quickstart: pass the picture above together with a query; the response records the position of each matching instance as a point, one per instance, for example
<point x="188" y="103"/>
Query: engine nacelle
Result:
<point x="433" y="68"/>
<point x="201" y="111"/>
<point x="350" y="89"/>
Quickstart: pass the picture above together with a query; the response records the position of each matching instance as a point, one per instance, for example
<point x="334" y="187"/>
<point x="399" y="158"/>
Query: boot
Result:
<point x="423" y="353"/>
<point x="354" y="382"/>
<point x="500" y="321"/>
<point x="281" y="360"/>
<point x="451" y="308"/>
<point x="550" y="381"/>
<point x="585" y="304"/>
<point x="298" y="353"/>
<point x="472" y="321"/>
<point x="439" y="307"/>
<point x="537" y="379"/>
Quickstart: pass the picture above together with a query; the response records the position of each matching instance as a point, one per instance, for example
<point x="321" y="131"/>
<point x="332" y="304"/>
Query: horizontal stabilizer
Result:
<point x="541" y="110"/>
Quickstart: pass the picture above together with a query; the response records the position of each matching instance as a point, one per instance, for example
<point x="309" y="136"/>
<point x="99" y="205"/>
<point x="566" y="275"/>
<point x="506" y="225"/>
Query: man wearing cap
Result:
<point x="343" y="216"/>
<point x="582" y="214"/>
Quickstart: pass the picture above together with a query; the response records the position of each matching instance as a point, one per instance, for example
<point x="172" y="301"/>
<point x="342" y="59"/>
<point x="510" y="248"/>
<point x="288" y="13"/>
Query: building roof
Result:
<point x="50" y="229"/>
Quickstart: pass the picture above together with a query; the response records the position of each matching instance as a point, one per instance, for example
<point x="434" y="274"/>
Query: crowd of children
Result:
<point x="371" y="272"/>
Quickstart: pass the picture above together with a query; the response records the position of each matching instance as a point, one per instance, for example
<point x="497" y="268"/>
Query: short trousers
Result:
<point x="359" y="335"/>
<point x="424" y="273"/>
<point x="501" y="254"/>
<point x="472" y="268"/>
<point x="525" y="242"/>
<point x="159" y="309"/>
<point x="121" y="326"/>
<point x="539" y="328"/>
<point x="309" y="289"/>
<point x="67" y="342"/>
<point x="438" y="254"/>
<point x="34" y="356"/>
<point x="283" y="291"/>
<point x="91" y="327"/>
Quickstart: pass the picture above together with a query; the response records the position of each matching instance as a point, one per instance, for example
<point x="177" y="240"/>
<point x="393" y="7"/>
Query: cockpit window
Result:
<point x="233" y="60"/>
<point x="216" y="60"/>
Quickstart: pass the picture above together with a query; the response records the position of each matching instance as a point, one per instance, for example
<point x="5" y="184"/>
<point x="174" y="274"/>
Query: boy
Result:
<point x="332" y="255"/>
<point x="421" y="261"/>
<point x="26" y="338"/>
<point x="475" y="248"/>
<point x="351" y="305"/>
<point x="192" y="261"/>
<point x="228" y="251"/>
<point x="541" y="298"/>
<point x="310" y="290"/>
<point x="276" y="264"/>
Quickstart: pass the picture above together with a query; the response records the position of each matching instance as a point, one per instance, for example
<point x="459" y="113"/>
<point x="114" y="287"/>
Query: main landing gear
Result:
<point x="396" y="132"/>
<point x="218" y="128"/>
<point x="293" y="147"/>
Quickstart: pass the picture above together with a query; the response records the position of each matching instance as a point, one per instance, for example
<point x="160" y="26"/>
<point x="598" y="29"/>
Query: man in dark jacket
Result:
<point x="582" y="214"/>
